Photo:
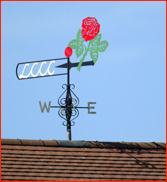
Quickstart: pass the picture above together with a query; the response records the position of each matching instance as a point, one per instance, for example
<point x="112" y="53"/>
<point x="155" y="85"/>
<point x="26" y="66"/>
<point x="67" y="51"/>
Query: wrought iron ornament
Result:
<point x="68" y="102"/>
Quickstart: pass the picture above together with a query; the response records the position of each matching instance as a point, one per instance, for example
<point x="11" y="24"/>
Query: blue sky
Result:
<point x="128" y="81"/>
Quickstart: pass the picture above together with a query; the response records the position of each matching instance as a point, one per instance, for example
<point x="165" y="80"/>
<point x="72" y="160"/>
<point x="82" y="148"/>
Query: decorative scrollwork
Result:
<point x="65" y="123"/>
<point x="72" y="85"/>
<point x="68" y="102"/>
<point x="62" y="101"/>
<point x="62" y="113"/>
<point x="76" y="115"/>
<point x="72" y="123"/>
<point x="76" y="99"/>
<point x="64" y="86"/>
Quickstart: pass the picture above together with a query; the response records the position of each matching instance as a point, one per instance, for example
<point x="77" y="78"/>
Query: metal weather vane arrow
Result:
<point x="68" y="102"/>
<point x="71" y="65"/>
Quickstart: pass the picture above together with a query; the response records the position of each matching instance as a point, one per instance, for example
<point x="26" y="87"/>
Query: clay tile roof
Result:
<point x="58" y="160"/>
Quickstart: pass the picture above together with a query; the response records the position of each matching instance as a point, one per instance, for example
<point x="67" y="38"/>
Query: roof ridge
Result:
<point x="84" y="144"/>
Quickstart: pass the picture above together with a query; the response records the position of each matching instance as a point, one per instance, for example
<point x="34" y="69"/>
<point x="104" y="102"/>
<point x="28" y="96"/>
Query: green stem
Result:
<point x="83" y="57"/>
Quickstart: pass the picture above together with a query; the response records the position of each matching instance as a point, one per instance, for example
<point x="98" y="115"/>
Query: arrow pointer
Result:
<point x="71" y="65"/>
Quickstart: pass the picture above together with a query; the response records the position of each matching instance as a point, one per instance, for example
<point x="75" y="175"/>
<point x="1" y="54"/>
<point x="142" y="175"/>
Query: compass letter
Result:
<point x="44" y="106"/>
<point x="91" y="107"/>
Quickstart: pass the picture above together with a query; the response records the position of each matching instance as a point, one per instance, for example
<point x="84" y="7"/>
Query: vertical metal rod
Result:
<point x="68" y="73"/>
<point x="68" y="91"/>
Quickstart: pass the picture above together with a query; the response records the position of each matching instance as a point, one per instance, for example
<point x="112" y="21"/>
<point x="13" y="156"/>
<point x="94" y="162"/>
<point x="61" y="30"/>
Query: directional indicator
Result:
<point x="33" y="64"/>
<point x="63" y="107"/>
<point x="71" y="65"/>
<point x="68" y="102"/>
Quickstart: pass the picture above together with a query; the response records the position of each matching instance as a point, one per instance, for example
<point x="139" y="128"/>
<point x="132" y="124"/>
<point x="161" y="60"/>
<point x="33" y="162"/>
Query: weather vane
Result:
<point x="68" y="102"/>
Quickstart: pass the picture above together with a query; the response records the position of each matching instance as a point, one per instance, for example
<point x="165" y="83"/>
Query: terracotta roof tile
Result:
<point x="49" y="143"/>
<point x="51" y="160"/>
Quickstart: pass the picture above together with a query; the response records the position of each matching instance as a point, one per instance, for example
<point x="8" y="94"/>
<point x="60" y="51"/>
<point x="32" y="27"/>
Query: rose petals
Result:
<point x="90" y="28"/>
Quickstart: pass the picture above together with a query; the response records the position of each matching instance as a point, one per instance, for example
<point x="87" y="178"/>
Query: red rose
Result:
<point x="90" y="28"/>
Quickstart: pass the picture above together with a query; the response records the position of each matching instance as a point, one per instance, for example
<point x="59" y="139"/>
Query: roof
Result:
<point x="58" y="160"/>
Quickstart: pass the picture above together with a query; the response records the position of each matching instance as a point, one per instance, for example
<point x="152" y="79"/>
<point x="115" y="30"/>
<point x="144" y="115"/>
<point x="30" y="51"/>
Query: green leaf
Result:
<point x="79" y="44"/>
<point x="96" y="40"/>
<point x="79" y="50"/>
<point x="79" y="36"/>
<point x="102" y="46"/>
<point x="73" y="44"/>
<point x="94" y="54"/>
<point x="94" y="46"/>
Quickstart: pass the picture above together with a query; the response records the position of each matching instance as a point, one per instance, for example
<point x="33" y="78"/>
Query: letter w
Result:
<point x="47" y="108"/>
